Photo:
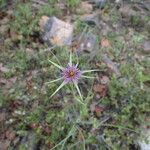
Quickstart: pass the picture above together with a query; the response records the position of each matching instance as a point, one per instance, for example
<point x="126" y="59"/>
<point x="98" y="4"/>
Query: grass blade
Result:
<point x="56" y="65"/>
<point x="88" y="77"/>
<point x="58" y="89"/>
<point x="86" y="71"/>
<point x="54" y="81"/>
<point x="70" y="60"/>
<point x="80" y="101"/>
<point x="76" y="85"/>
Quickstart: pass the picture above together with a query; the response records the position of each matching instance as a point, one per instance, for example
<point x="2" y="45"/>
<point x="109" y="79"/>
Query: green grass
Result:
<point x="2" y="3"/>
<point x="73" y="3"/>
<point x="72" y="124"/>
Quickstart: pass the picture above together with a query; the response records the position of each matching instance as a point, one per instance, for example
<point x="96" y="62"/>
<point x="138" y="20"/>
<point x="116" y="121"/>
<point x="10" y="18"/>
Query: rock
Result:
<point x="143" y="144"/>
<point x="4" y="29"/>
<point x="91" y="19"/>
<point x="2" y="117"/>
<point x="104" y="80"/>
<point x="30" y="53"/>
<point x="10" y="135"/>
<point x="31" y="141"/>
<point x="117" y="1"/>
<point x="95" y="19"/>
<point x="3" y="69"/>
<point x="15" y="36"/>
<point x="4" y="145"/>
<point x="85" y="7"/>
<point x="100" y="89"/>
<point x="85" y="43"/>
<point x="127" y="11"/>
<point x="110" y="65"/>
<point x="43" y="21"/>
<point x="98" y="3"/>
<point x="4" y="21"/>
<point x="55" y="31"/>
<point x="105" y="43"/>
<point x="146" y="47"/>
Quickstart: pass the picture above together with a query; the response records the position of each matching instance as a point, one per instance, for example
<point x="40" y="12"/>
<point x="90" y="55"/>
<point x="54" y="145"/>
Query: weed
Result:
<point x="72" y="3"/>
<point x="23" y="19"/>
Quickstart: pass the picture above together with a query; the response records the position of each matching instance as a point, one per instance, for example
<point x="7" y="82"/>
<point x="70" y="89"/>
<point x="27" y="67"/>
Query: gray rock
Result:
<point x="85" y="7"/>
<point x="145" y="145"/>
<point x="146" y="47"/>
<point x="98" y="3"/>
<point x="91" y="19"/>
<point x="31" y="141"/>
<point x="111" y="65"/>
<point x="55" y="31"/>
<point x="86" y="42"/>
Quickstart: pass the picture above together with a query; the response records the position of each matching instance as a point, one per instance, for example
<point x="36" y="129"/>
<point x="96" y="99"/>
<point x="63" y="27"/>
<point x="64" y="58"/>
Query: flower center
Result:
<point x="71" y="73"/>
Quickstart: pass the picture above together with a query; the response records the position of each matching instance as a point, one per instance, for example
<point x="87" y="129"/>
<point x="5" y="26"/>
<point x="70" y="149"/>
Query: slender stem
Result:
<point x="76" y="97"/>
<point x="50" y="50"/>
<point x="56" y="65"/>
<point x="82" y="137"/>
<point x="54" y="81"/>
<point x="77" y="59"/>
<point x="76" y="85"/>
<point x="115" y="126"/>
<point x="58" y="89"/>
<point x="88" y="77"/>
<point x="80" y="101"/>
<point x="86" y="71"/>
<point x="65" y="139"/>
<point x="70" y="60"/>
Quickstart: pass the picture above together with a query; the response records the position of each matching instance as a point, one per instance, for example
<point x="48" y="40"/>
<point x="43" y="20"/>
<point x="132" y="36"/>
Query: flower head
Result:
<point x="71" y="73"/>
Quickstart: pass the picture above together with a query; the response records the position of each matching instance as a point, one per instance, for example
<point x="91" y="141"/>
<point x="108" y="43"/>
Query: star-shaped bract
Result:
<point x="70" y="74"/>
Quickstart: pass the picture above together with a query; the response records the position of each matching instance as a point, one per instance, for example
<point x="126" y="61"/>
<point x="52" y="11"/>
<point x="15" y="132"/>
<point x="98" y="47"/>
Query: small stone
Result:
<point x="98" y="3"/>
<point x="146" y="47"/>
<point x="117" y="1"/>
<point x="87" y="42"/>
<point x="100" y="89"/>
<point x="2" y="116"/>
<point x="111" y="65"/>
<point x="10" y="135"/>
<point x="3" y="69"/>
<point x="91" y="19"/>
<point x="4" y="29"/>
<point x="143" y="144"/>
<point x="43" y="21"/>
<point x="4" y="21"/>
<point x="4" y="145"/>
<point x="127" y="11"/>
<point x="18" y="112"/>
<point x="30" y="53"/>
<point x="85" y="7"/>
<point x="55" y="31"/>
<point x="104" y="80"/>
<point x="30" y="141"/>
<point x="16" y="141"/>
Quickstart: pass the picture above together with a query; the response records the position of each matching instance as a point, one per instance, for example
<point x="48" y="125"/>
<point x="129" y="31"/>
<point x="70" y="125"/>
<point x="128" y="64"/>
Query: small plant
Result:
<point x="70" y="74"/>
<point x="72" y="3"/>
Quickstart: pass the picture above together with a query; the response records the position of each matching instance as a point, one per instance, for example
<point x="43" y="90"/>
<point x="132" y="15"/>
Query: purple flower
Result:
<point x="71" y="73"/>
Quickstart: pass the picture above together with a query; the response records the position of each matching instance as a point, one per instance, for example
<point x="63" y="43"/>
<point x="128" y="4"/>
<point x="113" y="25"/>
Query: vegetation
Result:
<point x="113" y="112"/>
